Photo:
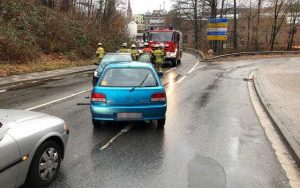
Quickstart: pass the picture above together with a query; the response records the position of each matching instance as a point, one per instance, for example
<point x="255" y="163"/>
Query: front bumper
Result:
<point x="109" y="113"/>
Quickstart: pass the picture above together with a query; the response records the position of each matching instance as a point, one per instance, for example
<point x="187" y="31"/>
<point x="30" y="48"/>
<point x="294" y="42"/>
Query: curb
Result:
<point x="45" y="78"/>
<point x="279" y="126"/>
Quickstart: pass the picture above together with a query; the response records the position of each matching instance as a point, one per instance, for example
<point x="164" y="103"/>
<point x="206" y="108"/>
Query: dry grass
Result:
<point x="45" y="63"/>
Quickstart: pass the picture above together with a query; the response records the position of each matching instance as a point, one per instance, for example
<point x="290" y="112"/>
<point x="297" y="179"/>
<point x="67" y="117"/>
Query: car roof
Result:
<point x="134" y="64"/>
<point x="122" y="53"/>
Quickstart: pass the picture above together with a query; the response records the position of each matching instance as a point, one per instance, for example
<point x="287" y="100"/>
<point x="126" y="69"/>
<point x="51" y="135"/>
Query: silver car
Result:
<point x="32" y="147"/>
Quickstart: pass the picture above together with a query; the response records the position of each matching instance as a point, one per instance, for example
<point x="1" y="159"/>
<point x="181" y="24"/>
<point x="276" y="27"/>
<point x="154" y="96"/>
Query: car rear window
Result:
<point x="116" y="57"/>
<point x="129" y="77"/>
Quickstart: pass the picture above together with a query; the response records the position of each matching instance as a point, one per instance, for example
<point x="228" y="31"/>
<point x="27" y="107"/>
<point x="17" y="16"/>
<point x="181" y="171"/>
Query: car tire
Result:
<point x="49" y="153"/>
<point x="161" y="123"/>
<point x="174" y="62"/>
<point x="97" y="123"/>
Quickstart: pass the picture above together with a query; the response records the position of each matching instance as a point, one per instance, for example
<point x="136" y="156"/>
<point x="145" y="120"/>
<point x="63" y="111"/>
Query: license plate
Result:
<point x="129" y="116"/>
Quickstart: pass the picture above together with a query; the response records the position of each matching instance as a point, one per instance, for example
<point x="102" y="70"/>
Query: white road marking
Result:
<point x="170" y="69"/>
<point x="282" y="153"/>
<point x="181" y="79"/>
<point x="124" y="130"/>
<point x="2" y="91"/>
<point x="197" y="68"/>
<point x="58" y="100"/>
<point x="192" y="69"/>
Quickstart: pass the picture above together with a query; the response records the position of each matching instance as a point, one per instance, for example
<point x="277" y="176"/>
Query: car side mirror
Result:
<point x="96" y="64"/>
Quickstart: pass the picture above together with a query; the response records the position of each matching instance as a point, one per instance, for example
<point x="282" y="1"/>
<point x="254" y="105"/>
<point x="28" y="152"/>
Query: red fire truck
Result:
<point x="172" y="40"/>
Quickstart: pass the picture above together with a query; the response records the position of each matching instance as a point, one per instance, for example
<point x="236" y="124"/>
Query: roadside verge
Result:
<point x="277" y="90"/>
<point x="40" y="76"/>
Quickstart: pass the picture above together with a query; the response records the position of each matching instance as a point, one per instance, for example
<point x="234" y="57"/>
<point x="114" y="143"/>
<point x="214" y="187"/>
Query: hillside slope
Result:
<point x="29" y="30"/>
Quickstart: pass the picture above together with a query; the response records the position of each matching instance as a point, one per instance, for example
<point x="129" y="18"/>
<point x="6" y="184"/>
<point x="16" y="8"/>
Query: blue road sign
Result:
<point x="218" y="20"/>
<point x="217" y="33"/>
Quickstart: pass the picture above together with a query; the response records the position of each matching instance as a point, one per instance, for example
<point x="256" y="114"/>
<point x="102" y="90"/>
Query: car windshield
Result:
<point x="161" y="36"/>
<point x="129" y="77"/>
<point x="116" y="58"/>
<point x="145" y="58"/>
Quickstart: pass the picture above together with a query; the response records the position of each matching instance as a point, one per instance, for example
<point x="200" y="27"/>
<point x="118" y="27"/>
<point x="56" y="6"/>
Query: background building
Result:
<point x="155" y="20"/>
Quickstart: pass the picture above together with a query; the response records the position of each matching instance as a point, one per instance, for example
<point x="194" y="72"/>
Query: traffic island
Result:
<point x="278" y="88"/>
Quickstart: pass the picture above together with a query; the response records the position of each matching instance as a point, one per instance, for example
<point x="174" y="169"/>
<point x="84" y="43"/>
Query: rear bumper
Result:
<point x="109" y="113"/>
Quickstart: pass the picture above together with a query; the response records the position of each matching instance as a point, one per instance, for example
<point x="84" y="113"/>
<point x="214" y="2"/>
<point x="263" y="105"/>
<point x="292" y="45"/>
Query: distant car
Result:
<point x="129" y="92"/>
<point x="110" y="58"/>
<point x="32" y="147"/>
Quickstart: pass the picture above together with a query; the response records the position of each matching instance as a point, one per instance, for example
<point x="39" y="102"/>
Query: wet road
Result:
<point x="212" y="136"/>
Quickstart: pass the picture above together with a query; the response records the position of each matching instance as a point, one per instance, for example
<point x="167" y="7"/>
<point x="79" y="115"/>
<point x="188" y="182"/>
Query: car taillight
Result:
<point x="158" y="97"/>
<point x="98" y="97"/>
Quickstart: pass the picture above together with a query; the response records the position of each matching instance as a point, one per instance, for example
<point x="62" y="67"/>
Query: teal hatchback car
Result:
<point x="129" y="92"/>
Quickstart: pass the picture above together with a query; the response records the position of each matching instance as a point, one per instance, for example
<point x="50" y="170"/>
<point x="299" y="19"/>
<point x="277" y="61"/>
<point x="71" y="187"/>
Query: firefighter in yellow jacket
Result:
<point x="158" y="56"/>
<point x="100" y="52"/>
<point x="134" y="52"/>
<point x="124" y="48"/>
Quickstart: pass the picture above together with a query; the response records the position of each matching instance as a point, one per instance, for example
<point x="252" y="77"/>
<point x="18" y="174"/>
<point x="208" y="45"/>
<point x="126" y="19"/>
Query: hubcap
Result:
<point x="48" y="164"/>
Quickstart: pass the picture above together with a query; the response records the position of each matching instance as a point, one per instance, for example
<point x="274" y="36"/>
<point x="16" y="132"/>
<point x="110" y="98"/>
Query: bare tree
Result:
<point x="280" y="10"/>
<point x="256" y="26"/>
<point x="294" y="16"/>
<point x="235" y="34"/>
<point x="192" y="10"/>
<point x="65" y="5"/>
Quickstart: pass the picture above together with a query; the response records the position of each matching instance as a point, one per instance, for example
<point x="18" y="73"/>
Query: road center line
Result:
<point x="281" y="152"/>
<point x="124" y="130"/>
<point x="2" y="91"/>
<point x="181" y="79"/>
<point x="58" y="100"/>
<point x="191" y="70"/>
<point x="197" y="68"/>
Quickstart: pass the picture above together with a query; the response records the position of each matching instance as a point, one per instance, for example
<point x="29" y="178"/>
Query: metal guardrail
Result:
<point x="201" y="54"/>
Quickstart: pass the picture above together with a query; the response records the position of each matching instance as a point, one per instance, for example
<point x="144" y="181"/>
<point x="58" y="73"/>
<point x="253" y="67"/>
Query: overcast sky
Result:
<point x="142" y="6"/>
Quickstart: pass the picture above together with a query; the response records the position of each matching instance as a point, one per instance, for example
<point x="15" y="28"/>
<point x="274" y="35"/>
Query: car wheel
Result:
<point x="161" y="122"/>
<point x="97" y="123"/>
<point x="45" y="165"/>
<point x="174" y="62"/>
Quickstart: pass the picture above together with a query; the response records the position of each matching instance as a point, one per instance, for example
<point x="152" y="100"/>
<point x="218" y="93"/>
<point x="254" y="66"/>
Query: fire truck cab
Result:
<point x="172" y="40"/>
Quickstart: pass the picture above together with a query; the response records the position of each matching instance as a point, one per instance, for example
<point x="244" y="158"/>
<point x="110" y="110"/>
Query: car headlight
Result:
<point x="171" y="54"/>
<point x="96" y="74"/>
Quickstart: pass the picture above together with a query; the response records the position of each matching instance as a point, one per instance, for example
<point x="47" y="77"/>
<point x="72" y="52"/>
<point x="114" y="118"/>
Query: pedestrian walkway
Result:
<point x="15" y="79"/>
<point x="279" y="89"/>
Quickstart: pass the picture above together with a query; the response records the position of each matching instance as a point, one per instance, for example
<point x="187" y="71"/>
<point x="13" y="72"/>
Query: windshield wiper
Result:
<point x="140" y="83"/>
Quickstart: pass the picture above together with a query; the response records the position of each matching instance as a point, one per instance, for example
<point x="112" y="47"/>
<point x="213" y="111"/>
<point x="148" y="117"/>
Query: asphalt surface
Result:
<point x="212" y="136"/>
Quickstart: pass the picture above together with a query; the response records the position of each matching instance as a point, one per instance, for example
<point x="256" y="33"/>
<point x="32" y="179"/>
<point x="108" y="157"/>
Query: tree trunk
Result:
<point x="235" y="43"/>
<point x="65" y="4"/>
<point x="196" y="24"/>
<point x="255" y="29"/>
